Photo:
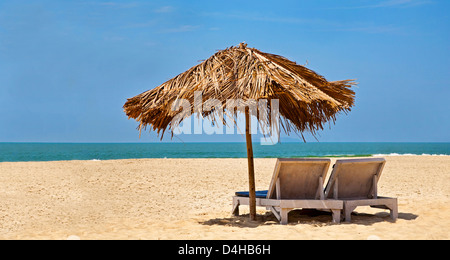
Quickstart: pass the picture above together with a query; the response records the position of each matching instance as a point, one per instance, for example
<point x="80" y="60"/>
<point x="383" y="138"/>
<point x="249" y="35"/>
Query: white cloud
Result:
<point x="370" y="29"/>
<point x="118" y="5"/>
<point x="261" y="17"/>
<point x="141" y="25"/>
<point x="164" y="9"/>
<point x="402" y="3"/>
<point x="182" y="28"/>
<point x="390" y="3"/>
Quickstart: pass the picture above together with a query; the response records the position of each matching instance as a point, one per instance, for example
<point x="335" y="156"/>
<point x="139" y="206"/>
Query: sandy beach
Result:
<point x="191" y="199"/>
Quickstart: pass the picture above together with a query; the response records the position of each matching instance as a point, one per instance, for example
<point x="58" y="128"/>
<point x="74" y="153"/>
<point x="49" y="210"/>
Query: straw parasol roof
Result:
<point x="307" y="100"/>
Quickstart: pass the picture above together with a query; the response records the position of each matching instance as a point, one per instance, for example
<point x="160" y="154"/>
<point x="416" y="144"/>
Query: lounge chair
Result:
<point x="296" y="183"/>
<point x="355" y="182"/>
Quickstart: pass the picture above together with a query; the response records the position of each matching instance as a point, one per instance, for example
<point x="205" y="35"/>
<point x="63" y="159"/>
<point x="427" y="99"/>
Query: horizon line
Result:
<point x="219" y="142"/>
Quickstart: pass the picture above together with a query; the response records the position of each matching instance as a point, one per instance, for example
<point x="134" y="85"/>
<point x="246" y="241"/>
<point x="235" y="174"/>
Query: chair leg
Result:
<point x="336" y="215"/>
<point x="394" y="214"/>
<point x="275" y="213"/>
<point x="284" y="215"/>
<point x="391" y="205"/>
<point x="348" y="212"/>
<point x="393" y="208"/>
<point x="235" y="210"/>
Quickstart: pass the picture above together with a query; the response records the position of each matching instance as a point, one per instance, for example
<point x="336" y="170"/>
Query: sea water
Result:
<point x="14" y="152"/>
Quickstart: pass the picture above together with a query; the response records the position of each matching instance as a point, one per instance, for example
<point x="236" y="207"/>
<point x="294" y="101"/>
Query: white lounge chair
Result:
<point x="296" y="183"/>
<point x="355" y="182"/>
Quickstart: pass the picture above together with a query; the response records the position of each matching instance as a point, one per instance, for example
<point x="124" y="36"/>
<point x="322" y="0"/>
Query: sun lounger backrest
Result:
<point x="298" y="178"/>
<point x="355" y="178"/>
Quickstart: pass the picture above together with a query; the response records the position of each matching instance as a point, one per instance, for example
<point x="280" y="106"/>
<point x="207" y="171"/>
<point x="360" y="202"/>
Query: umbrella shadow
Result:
<point x="305" y="216"/>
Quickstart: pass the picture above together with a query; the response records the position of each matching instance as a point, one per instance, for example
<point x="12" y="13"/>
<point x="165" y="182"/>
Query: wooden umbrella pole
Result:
<point x="251" y="167"/>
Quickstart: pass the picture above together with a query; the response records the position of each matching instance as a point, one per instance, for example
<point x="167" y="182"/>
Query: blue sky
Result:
<point x="67" y="67"/>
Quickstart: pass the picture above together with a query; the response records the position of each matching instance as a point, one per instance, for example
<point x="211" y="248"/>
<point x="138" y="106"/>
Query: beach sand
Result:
<point x="191" y="199"/>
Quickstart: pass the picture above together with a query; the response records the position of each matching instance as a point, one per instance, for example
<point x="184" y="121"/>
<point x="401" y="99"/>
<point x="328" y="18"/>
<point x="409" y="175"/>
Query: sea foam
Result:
<point x="409" y="154"/>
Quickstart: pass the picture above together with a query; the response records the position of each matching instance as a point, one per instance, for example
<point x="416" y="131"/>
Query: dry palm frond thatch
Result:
<point x="306" y="99"/>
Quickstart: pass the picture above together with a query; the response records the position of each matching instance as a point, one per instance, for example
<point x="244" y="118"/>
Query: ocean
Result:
<point x="17" y="152"/>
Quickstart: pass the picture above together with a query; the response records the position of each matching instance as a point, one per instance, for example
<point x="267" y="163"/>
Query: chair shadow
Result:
<point x="305" y="216"/>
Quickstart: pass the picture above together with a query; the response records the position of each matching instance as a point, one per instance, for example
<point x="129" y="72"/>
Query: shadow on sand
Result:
<point x="306" y="216"/>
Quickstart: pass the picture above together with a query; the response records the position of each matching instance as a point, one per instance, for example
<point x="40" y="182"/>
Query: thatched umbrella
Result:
<point x="306" y="99"/>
